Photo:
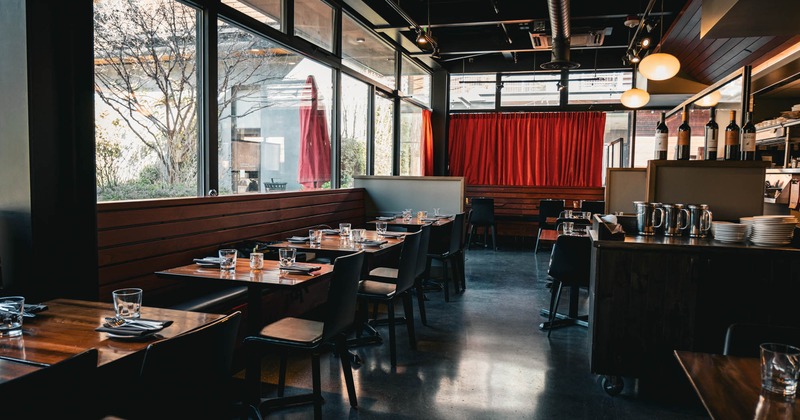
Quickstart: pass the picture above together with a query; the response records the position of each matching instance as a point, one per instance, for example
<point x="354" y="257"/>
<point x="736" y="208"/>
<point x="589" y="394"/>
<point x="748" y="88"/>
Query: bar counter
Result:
<point x="650" y="296"/>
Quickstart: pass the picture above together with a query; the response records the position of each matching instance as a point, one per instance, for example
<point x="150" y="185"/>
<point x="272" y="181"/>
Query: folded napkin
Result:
<point x="386" y="218"/>
<point x="372" y="242"/>
<point x="133" y="329"/>
<point x="208" y="261"/>
<point x="330" y="231"/>
<point x="298" y="239"/>
<point x="429" y="219"/>
<point x="445" y="216"/>
<point x="301" y="268"/>
<point x="392" y="234"/>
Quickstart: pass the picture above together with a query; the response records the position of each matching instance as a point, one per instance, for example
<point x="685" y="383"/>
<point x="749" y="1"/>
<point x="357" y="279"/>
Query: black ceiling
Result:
<point x="495" y="35"/>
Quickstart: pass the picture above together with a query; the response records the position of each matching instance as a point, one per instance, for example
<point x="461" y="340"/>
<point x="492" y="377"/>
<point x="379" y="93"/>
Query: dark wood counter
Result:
<point x="650" y="296"/>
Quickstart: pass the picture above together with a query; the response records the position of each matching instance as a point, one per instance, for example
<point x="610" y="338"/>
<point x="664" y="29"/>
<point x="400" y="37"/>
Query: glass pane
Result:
<point x="366" y="53"/>
<point x="598" y="88"/>
<point x="472" y="91"/>
<point x="265" y="11"/>
<point x="353" y="161"/>
<point x="725" y="99"/>
<point x="646" y="122"/>
<point x="410" y="139"/>
<point x="415" y="82"/>
<point x="384" y="136"/>
<point x="273" y="135"/>
<point x="530" y="90"/>
<point x="615" y="139"/>
<point x="146" y="129"/>
<point x="313" y="21"/>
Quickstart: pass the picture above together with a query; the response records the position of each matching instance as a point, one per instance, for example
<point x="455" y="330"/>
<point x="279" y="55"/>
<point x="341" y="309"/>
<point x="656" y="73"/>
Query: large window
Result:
<point x="145" y="99"/>
<point x="353" y="160"/>
<point x="472" y="91"/>
<point x="410" y="139"/>
<point x="274" y="124"/>
<point x="366" y="53"/>
<point x="383" y="152"/>
<point x="313" y="21"/>
<point x="264" y="11"/>
<point x="603" y="87"/>
<point x="530" y="90"/>
<point x="415" y="82"/>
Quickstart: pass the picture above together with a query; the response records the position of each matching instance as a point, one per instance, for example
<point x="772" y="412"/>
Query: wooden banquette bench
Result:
<point x="516" y="208"/>
<point x="138" y="238"/>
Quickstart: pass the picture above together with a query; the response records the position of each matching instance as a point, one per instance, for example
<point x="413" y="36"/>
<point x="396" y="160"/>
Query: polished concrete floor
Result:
<point x="482" y="356"/>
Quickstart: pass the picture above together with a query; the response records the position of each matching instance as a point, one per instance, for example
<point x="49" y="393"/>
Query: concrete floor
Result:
<point x="482" y="356"/>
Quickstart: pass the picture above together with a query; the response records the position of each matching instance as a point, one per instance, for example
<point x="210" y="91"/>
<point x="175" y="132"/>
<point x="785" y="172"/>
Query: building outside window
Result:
<point x="354" y="120"/>
<point x="410" y="139"/>
<point x="383" y="152"/>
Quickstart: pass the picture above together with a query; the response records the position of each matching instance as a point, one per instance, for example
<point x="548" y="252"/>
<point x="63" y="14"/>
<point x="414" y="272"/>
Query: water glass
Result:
<point x="315" y="237"/>
<point x="286" y="257"/>
<point x="11" y="310"/>
<point x="127" y="302"/>
<point x="380" y="227"/>
<point x="344" y="230"/>
<point x="358" y="235"/>
<point x="566" y="227"/>
<point x="407" y="214"/>
<point x="436" y="211"/>
<point x="256" y="260"/>
<point x="422" y="214"/>
<point x="780" y="365"/>
<point x="227" y="259"/>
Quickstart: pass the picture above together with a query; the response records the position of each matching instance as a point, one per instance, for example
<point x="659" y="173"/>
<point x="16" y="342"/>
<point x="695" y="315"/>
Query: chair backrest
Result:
<point x="457" y="233"/>
<point x="594" y="207"/>
<point x="549" y="208"/>
<point x="340" y="307"/>
<point x="407" y="267"/>
<point x="744" y="339"/>
<point x="571" y="260"/>
<point x="66" y="387"/>
<point x="424" y="245"/>
<point x="190" y="374"/>
<point x="482" y="211"/>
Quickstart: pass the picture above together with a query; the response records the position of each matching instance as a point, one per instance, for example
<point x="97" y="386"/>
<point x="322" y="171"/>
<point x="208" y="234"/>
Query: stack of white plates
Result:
<point x="729" y="232"/>
<point x="773" y="230"/>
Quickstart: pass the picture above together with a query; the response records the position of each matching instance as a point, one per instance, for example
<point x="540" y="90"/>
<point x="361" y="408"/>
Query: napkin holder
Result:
<point x="608" y="231"/>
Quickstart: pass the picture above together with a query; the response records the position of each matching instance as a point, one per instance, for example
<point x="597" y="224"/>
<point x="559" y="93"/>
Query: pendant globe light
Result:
<point x="660" y="66"/>
<point x="635" y="98"/>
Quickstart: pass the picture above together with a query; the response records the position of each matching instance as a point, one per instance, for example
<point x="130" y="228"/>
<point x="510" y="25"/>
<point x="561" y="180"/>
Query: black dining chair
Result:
<point x="191" y="375"/>
<point x="548" y="208"/>
<point x="594" y="207"/>
<point x="743" y="339"/>
<point x="68" y="387"/>
<point x="290" y="335"/>
<point x="372" y="291"/>
<point x="482" y="216"/>
<point x="451" y="257"/>
<point x="570" y="264"/>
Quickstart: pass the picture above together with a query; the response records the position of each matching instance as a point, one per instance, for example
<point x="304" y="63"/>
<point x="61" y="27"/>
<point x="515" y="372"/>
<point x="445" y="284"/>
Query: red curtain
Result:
<point x="426" y="146"/>
<point x="537" y="149"/>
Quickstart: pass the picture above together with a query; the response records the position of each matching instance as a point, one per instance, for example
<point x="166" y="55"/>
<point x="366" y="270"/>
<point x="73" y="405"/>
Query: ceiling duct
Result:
<point x="560" y="36"/>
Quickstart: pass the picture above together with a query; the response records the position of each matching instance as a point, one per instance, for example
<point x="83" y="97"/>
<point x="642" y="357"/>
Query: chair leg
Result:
<point x="446" y="280"/>
<point x="392" y="347"/>
<point x="282" y="375"/>
<point x="538" y="235"/>
<point x="469" y="236"/>
<point x="317" y="386"/>
<point x="462" y="270"/>
<point x="408" y="308"/>
<point x="494" y="238"/>
<point x="347" y="370"/>
<point x="421" y="301"/>
<point x="554" y="308"/>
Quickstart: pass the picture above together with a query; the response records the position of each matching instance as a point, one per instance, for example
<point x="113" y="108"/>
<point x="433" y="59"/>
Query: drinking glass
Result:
<point x="422" y="214"/>
<point x="315" y="237"/>
<point x="227" y="259"/>
<point x="127" y="302"/>
<point x="11" y="310"/>
<point x="436" y="211"/>
<point x="358" y="235"/>
<point x="780" y="365"/>
<point x="344" y="230"/>
<point x="256" y="260"/>
<point x="286" y="257"/>
<point x="566" y="228"/>
<point x="407" y="214"/>
<point x="380" y="227"/>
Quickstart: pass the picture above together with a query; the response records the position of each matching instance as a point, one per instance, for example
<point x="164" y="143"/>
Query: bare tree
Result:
<point x="146" y="70"/>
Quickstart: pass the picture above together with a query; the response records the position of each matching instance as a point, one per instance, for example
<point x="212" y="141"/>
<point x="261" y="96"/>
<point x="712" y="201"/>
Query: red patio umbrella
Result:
<point x="314" y="166"/>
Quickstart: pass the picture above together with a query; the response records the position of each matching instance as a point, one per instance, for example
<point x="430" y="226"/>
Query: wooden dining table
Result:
<point x="269" y="277"/>
<point x="67" y="327"/>
<point x="13" y="369"/>
<point x="415" y="223"/>
<point x="730" y="387"/>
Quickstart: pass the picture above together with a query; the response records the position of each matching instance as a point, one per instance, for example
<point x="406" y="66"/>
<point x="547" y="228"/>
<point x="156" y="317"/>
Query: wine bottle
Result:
<point x="684" y="138"/>
<point x="749" y="139"/>
<point x="710" y="141"/>
<point x="732" y="139"/>
<point x="662" y="133"/>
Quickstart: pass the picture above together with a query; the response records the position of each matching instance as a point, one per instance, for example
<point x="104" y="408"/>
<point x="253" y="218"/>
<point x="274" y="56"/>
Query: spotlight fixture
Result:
<point x="645" y="43"/>
<point x="422" y="39"/>
<point x="635" y="59"/>
<point x="360" y="40"/>
<point x="631" y="21"/>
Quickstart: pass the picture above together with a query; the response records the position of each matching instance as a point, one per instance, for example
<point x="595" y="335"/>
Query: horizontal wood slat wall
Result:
<point x="138" y="238"/>
<point x="517" y="207"/>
